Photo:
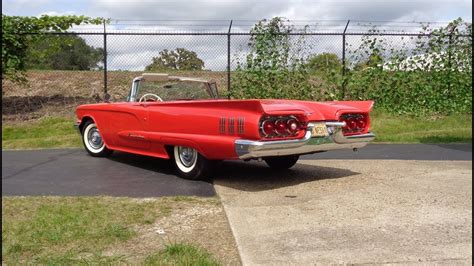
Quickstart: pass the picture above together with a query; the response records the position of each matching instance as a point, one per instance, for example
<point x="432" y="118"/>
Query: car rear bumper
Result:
<point x="248" y="149"/>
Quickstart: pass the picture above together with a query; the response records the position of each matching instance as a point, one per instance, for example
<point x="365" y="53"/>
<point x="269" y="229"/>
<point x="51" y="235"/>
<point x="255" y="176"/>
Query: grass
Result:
<point x="76" y="230"/>
<point x="181" y="254"/>
<point x="58" y="132"/>
<point x="47" y="132"/>
<point x="456" y="128"/>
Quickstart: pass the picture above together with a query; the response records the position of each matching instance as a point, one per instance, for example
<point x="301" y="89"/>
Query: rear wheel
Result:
<point x="93" y="142"/>
<point x="190" y="164"/>
<point x="282" y="162"/>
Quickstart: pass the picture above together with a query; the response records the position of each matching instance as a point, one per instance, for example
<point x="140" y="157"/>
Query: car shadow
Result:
<point x="162" y="166"/>
<point x="250" y="176"/>
<point x="257" y="176"/>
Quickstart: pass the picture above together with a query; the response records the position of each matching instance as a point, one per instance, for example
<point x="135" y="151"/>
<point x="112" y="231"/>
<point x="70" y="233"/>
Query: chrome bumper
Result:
<point x="248" y="149"/>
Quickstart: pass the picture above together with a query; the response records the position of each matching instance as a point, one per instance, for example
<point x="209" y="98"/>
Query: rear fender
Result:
<point x="363" y="106"/>
<point x="170" y="141"/>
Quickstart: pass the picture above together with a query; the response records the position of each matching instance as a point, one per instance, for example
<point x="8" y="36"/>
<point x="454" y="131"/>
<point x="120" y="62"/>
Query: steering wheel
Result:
<point x="143" y="98"/>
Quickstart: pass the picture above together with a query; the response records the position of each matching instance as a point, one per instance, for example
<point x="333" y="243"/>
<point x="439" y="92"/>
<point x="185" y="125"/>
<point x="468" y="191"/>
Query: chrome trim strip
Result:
<point x="133" y="91"/>
<point x="247" y="149"/>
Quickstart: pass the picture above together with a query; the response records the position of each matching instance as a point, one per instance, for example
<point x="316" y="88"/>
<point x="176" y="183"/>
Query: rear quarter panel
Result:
<point x="200" y="125"/>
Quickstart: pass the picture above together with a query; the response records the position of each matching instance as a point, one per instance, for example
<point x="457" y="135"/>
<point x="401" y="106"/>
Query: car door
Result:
<point x="129" y="122"/>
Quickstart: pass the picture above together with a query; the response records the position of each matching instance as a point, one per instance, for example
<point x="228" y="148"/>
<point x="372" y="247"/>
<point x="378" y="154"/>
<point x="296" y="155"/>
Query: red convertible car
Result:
<point x="184" y="120"/>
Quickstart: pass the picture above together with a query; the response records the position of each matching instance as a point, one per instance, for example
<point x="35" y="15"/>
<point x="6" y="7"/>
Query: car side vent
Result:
<point x="222" y="125"/>
<point x="231" y="126"/>
<point x="240" y="125"/>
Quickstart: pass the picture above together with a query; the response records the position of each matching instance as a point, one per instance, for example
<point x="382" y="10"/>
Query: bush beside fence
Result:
<point x="417" y="73"/>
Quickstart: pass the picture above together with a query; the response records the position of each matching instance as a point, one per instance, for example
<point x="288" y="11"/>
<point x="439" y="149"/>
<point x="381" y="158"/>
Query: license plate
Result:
<point x="319" y="130"/>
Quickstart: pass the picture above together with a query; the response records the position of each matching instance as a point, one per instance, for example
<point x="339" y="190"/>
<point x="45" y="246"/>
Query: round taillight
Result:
<point x="268" y="127"/>
<point x="281" y="127"/>
<point x="293" y="125"/>
<point x="361" y="123"/>
<point x="351" y="123"/>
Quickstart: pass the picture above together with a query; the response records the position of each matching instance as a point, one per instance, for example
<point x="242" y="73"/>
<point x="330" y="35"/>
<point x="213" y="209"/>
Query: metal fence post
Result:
<point x="344" y="60"/>
<point x="105" y="59"/>
<point x="228" y="61"/>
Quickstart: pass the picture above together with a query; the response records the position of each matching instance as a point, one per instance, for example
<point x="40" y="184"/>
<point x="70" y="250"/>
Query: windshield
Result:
<point x="172" y="91"/>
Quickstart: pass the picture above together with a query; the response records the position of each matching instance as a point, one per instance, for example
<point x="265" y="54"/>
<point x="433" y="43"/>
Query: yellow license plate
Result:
<point x="319" y="130"/>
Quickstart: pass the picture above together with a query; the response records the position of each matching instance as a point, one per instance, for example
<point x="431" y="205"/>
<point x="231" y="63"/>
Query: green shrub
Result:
<point x="425" y="75"/>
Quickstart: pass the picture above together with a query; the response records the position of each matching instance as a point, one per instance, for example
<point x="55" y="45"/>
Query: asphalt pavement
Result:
<point x="73" y="172"/>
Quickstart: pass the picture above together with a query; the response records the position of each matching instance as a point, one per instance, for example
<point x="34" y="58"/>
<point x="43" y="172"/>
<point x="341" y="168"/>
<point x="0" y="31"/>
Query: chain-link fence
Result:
<point x="80" y="66"/>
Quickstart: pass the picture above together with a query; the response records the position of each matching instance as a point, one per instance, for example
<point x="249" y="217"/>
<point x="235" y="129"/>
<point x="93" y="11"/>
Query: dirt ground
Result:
<point x="198" y="222"/>
<point x="59" y="92"/>
<point x="344" y="212"/>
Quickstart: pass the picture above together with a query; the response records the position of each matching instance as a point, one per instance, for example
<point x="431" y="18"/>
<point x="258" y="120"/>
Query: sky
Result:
<point x="133" y="53"/>
<point x="380" y="10"/>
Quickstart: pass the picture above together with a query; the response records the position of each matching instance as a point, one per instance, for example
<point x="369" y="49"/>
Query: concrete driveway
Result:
<point x="350" y="211"/>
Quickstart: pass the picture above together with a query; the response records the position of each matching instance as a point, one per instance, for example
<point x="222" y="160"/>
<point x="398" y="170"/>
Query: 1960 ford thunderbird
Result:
<point x="184" y="120"/>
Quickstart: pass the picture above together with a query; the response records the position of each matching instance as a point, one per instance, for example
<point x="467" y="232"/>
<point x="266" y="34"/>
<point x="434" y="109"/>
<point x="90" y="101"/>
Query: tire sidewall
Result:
<point x="197" y="171"/>
<point x="100" y="152"/>
<point x="181" y="167"/>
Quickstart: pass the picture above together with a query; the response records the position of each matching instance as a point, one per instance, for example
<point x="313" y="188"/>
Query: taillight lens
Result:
<point x="268" y="127"/>
<point x="355" y="123"/>
<point x="293" y="125"/>
<point x="281" y="126"/>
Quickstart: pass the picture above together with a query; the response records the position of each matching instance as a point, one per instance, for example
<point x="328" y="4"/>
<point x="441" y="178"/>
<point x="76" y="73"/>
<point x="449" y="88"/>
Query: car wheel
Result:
<point x="190" y="164"/>
<point x="93" y="141"/>
<point x="282" y="162"/>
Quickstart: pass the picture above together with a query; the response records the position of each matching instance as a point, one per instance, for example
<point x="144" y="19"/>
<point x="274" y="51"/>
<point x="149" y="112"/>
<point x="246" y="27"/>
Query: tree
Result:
<point x="18" y="32"/>
<point x="325" y="63"/>
<point x="63" y="52"/>
<point x="179" y="59"/>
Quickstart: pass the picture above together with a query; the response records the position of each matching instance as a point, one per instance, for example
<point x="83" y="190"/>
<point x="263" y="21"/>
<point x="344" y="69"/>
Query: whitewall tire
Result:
<point x="190" y="164"/>
<point x="93" y="141"/>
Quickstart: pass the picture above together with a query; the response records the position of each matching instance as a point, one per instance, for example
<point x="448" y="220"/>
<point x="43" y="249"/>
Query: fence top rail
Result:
<point x="246" y="33"/>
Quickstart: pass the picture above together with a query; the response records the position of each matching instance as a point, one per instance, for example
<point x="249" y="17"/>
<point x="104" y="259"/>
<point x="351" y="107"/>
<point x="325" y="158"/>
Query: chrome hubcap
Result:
<point x="94" y="138"/>
<point x="187" y="156"/>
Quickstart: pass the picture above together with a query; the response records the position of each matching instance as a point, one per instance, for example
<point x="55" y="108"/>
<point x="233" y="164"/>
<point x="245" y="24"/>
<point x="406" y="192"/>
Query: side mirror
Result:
<point x="107" y="98"/>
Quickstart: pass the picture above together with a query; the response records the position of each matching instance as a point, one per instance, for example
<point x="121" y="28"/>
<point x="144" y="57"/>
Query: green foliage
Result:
<point x="18" y="32"/>
<point x="275" y="66"/>
<point x="326" y="63"/>
<point x="432" y="77"/>
<point x="68" y="52"/>
<point x="179" y="59"/>
<point x="426" y="74"/>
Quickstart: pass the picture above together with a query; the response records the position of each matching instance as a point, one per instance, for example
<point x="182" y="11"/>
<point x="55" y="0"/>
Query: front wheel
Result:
<point x="282" y="162"/>
<point x="93" y="142"/>
<point x="190" y="164"/>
